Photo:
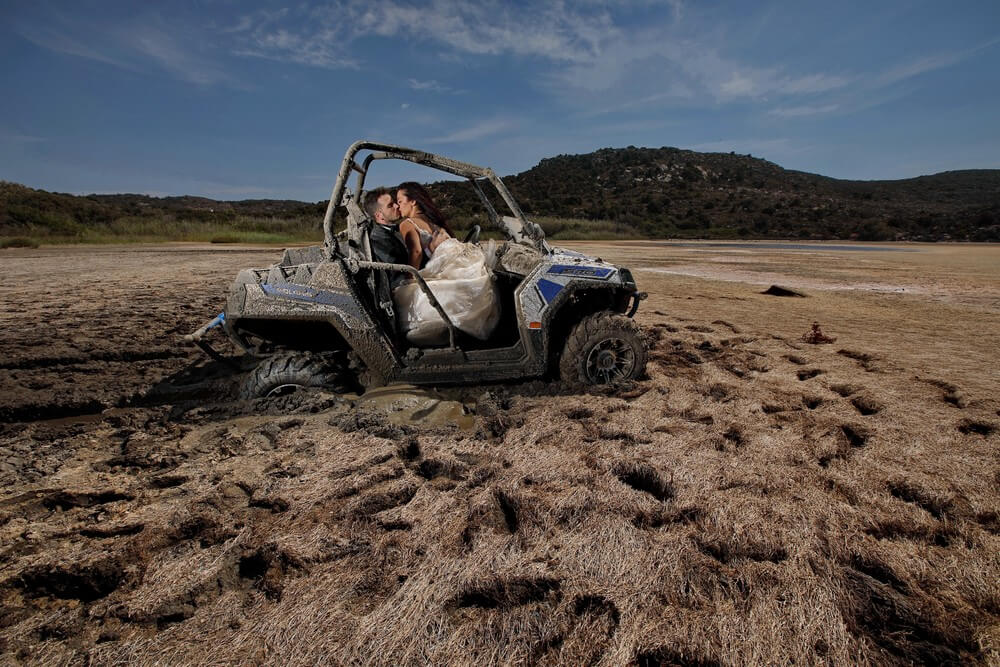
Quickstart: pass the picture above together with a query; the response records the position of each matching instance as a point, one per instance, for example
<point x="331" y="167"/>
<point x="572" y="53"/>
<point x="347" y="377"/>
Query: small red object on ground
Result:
<point x="816" y="336"/>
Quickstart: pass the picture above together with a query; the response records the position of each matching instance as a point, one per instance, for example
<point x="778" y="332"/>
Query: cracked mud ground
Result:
<point x="755" y="499"/>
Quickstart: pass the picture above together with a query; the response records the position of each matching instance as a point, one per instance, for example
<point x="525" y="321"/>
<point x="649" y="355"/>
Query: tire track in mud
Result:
<point x="110" y="356"/>
<point x="218" y="516"/>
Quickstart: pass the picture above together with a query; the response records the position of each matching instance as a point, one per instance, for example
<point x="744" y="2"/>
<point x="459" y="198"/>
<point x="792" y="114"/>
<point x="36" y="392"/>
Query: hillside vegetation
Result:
<point x="55" y="217"/>
<point x="611" y="193"/>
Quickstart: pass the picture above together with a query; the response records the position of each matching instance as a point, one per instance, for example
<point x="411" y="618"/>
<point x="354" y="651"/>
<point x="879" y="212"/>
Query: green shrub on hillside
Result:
<point x="18" y="242"/>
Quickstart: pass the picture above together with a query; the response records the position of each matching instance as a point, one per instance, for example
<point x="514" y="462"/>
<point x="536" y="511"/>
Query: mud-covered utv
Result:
<point x="324" y="316"/>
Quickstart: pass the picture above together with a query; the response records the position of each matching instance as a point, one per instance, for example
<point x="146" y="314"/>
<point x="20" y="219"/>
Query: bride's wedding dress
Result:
<point x="460" y="280"/>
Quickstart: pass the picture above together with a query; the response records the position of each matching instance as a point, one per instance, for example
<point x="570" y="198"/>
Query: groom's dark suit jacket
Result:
<point x="387" y="246"/>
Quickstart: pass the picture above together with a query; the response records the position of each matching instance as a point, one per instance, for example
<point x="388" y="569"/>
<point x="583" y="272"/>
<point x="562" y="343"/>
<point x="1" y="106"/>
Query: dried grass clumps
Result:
<point x="715" y="513"/>
<point x="936" y="503"/>
<point x="898" y="618"/>
<point x="866" y="360"/>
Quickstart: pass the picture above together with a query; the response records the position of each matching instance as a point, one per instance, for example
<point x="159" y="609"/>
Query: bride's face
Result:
<point x="406" y="205"/>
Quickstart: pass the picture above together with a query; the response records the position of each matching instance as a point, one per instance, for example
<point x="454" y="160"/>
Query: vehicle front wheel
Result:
<point x="603" y="348"/>
<point x="287" y="372"/>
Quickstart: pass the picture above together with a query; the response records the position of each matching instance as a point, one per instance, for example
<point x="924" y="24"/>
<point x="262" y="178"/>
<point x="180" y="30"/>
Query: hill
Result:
<point x="53" y="216"/>
<point x="649" y="192"/>
<point x="667" y="192"/>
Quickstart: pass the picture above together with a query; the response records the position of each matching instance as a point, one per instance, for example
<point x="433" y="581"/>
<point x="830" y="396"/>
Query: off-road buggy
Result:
<point x="324" y="315"/>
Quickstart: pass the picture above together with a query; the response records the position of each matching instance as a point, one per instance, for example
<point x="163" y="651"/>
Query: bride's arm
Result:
<point x="411" y="237"/>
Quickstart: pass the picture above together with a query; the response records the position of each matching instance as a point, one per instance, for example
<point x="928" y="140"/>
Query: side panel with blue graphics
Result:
<point x="547" y="289"/>
<point x="550" y="279"/>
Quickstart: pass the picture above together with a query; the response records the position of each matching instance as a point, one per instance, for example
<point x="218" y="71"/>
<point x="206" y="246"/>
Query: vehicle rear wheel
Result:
<point x="603" y="348"/>
<point x="287" y="372"/>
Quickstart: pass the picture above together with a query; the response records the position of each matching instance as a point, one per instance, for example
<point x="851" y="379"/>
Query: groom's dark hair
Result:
<point x="371" y="200"/>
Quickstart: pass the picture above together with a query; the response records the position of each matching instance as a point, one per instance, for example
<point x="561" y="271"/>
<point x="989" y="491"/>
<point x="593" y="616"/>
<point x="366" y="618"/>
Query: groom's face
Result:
<point x="388" y="211"/>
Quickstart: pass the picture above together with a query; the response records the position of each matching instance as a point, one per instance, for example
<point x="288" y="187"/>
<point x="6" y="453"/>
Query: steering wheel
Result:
<point x="473" y="235"/>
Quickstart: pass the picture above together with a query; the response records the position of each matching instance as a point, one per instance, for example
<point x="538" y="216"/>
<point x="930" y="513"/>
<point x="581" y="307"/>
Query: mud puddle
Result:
<point x="409" y="404"/>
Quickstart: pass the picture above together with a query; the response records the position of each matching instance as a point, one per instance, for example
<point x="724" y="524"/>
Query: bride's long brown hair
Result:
<point x="419" y="194"/>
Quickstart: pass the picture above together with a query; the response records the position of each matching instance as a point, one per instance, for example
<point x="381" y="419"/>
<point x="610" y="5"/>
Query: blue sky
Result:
<point x="236" y="100"/>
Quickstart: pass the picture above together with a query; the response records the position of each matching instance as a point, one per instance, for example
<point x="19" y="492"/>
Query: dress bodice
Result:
<point x="425" y="242"/>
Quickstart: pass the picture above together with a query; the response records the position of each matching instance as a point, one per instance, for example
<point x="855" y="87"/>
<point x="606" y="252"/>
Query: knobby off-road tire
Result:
<point x="289" y="371"/>
<point x="603" y="348"/>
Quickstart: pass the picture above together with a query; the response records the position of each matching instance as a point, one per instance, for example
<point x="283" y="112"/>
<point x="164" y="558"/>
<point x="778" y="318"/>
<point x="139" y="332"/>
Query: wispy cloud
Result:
<point x="322" y="35"/>
<point x="55" y="39"/>
<point x="924" y="64"/>
<point x="768" y="148"/>
<point x="681" y="64"/>
<point x="137" y="45"/>
<point x="480" y="130"/>
<point x="805" y="110"/>
<point x="584" y="50"/>
<point x="429" y="86"/>
<point x="674" y="92"/>
<point x="299" y="38"/>
<point x="176" y="58"/>
<point x="872" y="89"/>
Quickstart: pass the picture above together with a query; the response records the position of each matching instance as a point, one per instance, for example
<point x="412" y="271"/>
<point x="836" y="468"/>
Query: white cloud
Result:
<point x="430" y="86"/>
<point x="762" y="82"/>
<point x="589" y="53"/>
<point x="178" y="59"/>
<point x="739" y="85"/>
<point x="805" y="110"/>
<point x="56" y="39"/>
<point x="811" y="83"/>
<point x="134" y="46"/>
<point x="767" y="148"/>
<point x="266" y="35"/>
<point x="322" y="35"/>
<point x="475" y="132"/>
<point x="681" y="64"/>
<point x="926" y="64"/>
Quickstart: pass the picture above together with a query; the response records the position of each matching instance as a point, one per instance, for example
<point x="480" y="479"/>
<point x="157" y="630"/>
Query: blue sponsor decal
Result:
<point x="311" y="295"/>
<point x="547" y="289"/>
<point x="579" y="271"/>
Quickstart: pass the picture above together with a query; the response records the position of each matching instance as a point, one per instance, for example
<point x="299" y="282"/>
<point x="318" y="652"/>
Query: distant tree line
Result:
<point x="629" y="192"/>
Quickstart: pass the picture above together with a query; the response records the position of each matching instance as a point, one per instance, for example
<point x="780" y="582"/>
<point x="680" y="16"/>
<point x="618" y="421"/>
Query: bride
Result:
<point x="455" y="272"/>
<point x="423" y="227"/>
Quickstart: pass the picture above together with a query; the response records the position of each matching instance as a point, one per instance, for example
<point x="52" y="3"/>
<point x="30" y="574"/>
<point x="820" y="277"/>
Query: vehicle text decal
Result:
<point x="581" y="271"/>
<point x="299" y="293"/>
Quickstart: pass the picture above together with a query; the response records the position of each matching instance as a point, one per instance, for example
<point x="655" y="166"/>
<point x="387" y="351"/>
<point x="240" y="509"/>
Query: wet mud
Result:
<point x="752" y="499"/>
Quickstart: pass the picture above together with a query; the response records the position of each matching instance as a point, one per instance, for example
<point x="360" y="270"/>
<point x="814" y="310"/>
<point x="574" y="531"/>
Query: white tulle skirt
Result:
<point x="462" y="283"/>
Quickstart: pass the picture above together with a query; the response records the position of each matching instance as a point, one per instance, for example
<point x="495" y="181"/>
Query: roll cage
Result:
<point x="516" y="227"/>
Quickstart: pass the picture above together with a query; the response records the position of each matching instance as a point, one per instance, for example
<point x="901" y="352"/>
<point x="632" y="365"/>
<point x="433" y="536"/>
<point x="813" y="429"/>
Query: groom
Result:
<point x="387" y="244"/>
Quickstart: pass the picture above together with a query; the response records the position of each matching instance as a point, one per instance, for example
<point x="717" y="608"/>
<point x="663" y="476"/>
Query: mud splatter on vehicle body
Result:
<point x="560" y="310"/>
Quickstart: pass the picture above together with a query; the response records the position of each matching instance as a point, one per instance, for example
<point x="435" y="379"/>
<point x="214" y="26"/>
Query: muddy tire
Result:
<point x="601" y="349"/>
<point x="284" y="373"/>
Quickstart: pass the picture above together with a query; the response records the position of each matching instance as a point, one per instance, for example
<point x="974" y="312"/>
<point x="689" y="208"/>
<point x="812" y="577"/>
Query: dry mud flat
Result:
<point x="756" y="499"/>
